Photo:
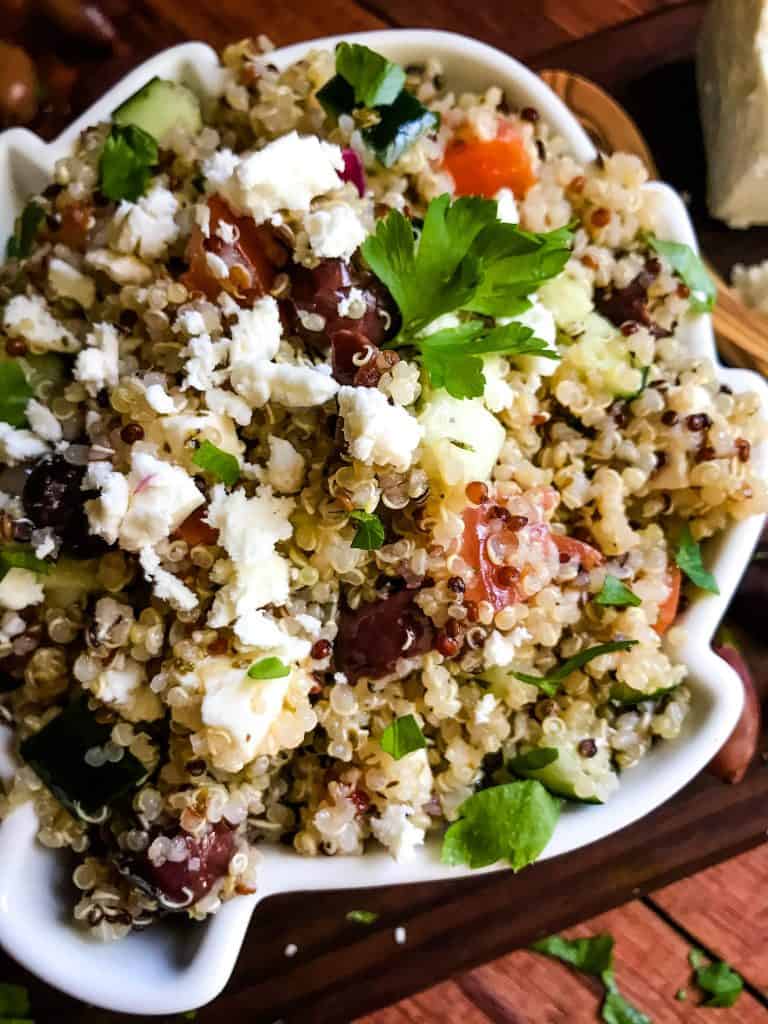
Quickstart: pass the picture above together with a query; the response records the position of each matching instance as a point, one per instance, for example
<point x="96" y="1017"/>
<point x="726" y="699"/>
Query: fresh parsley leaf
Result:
<point x="550" y="683"/>
<point x="614" y="594"/>
<point x="688" y="265"/>
<point x="720" y="982"/>
<point x="362" y="916"/>
<point x="617" y="1010"/>
<point x="696" y="958"/>
<point x="268" y="668"/>
<point x="593" y="955"/>
<point x="513" y="822"/>
<point x="21" y="558"/>
<point x="15" y="392"/>
<point x="681" y="995"/>
<point x="623" y="694"/>
<point x="402" y="737"/>
<point x="375" y="80"/>
<point x="14" y="1001"/>
<point x="370" y="530"/>
<point x="532" y="760"/>
<point x="688" y="559"/>
<point x="221" y="465"/>
<point x="126" y="162"/>
<point x="399" y="126"/>
<point x="19" y="245"/>
<point x="336" y="97"/>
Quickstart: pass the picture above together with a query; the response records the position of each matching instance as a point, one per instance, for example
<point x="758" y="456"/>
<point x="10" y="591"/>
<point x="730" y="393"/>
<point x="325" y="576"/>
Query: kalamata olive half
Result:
<point x="373" y="637"/>
<point x="19" y="88"/>
<point x="185" y="882"/>
<point x="52" y="497"/>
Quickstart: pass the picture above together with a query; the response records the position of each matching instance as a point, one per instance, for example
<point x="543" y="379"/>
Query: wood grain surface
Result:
<point x="342" y="971"/>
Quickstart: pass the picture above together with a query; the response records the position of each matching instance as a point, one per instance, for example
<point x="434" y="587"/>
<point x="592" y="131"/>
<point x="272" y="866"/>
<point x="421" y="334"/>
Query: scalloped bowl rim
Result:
<point x="168" y="970"/>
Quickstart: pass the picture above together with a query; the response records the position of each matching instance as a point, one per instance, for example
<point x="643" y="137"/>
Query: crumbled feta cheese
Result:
<point x="97" y="366"/>
<point x="159" y="399"/>
<point x="203" y="217"/>
<point x="42" y="421"/>
<point x="257" y="628"/>
<point x="178" y="431"/>
<point x="378" y="433"/>
<point x="106" y="513"/>
<point x="299" y="387"/>
<point x="286" y="174"/>
<point x="123" y="684"/>
<point x="148" y="226"/>
<point x="395" y="831"/>
<point x="191" y="321"/>
<point x="485" y="707"/>
<point x="498" y="393"/>
<point x="20" y="588"/>
<point x="285" y="469"/>
<point x="255" y="336"/>
<point x="334" y="232"/>
<point x="352" y="305"/>
<point x="166" y="586"/>
<point x="28" y="317"/>
<point x="68" y="283"/>
<point x="241" y="708"/>
<point x="44" y="542"/>
<point x="228" y="404"/>
<point x="501" y="648"/>
<point x="203" y="358"/>
<point x="145" y="507"/>
<point x="506" y="206"/>
<point x="18" y="445"/>
<point x="251" y="587"/>
<point x="121" y="269"/>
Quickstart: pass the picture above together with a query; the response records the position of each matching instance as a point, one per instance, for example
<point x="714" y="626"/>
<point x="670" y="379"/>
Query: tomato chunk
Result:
<point x="252" y="258"/>
<point x="668" y="610"/>
<point x="480" y="167"/>
<point x="195" y="530"/>
<point x="578" y="550"/>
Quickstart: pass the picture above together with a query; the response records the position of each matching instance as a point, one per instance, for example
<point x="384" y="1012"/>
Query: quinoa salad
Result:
<point x="353" y="473"/>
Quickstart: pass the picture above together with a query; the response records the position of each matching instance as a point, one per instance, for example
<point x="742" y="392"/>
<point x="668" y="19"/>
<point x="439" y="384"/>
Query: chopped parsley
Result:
<point x="370" y="530"/>
<point x="402" y="737"/>
<point x="615" y="594"/>
<point x="594" y="956"/>
<point x="15" y="392"/>
<point x="268" y="668"/>
<point x="690" y="268"/>
<point x="681" y="995"/>
<point x="512" y="822"/>
<point x="19" y="245"/>
<point x="551" y="682"/>
<point x="362" y="916"/>
<point x="126" y="163"/>
<point x="17" y="557"/>
<point x="688" y="559"/>
<point x="365" y="79"/>
<point x="14" y="1003"/>
<point x="465" y="261"/>
<point x="718" y="980"/>
<point x="221" y="465"/>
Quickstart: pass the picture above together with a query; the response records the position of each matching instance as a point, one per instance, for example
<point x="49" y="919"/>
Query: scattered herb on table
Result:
<point x="126" y="162"/>
<point x="268" y="668"/>
<point x="362" y="916"/>
<point x="221" y="465"/>
<point x="401" y="737"/>
<point x="615" y="594"/>
<point x="551" y="682"/>
<point x="370" y="530"/>
<point x="512" y="822"/>
<point x="688" y="559"/>
<point x="718" y="980"/>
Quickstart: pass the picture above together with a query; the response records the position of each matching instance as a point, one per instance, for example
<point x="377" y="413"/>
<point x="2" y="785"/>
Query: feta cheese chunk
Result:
<point x="123" y="684"/>
<point x="68" y="283"/>
<point x="159" y="399"/>
<point x="166" y="586"/>
<point x="732" y="69"/>
<point x="285" y="469"/>
<point x="506" y="208"/>
<point x="148" y="226"/>
<point x="20" y="588"/>
<point x="98" y="365"/>
<point x="28" y="317"/>
<point x="378" y="433"/>
<point x="42" y="421"/>
<point x="106" y="513"/>
<point x="18" y="445"/>
<point x="256" y="334"/>
<point x="121" y="269"/>
<point x="395" y="830"/>
<point x="334" y="232"/>
<point x="286" y="174"/>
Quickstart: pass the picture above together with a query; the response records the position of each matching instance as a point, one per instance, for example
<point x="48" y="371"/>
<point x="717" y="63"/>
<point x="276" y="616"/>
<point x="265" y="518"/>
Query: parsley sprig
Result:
<point x="221" y="465"/>
<point x="718" y="980"/>
<point x="369" y="534"/>
<point x="551" y="682"/>
<point x="126" y="162"/>
<point x="615" y="594"/>
<point x="469" y="262"/>
<point x="402" y="737"/>
<point x="268" y="668"/>
<point x="688" y="559"/>
<point x="689" y="267"/>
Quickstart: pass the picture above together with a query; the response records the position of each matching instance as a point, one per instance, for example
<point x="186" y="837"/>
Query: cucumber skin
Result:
<point x="158" y="107"/>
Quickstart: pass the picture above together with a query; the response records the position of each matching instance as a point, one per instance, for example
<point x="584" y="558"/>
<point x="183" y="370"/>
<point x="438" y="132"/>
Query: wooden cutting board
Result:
<point x="342" y="970"/>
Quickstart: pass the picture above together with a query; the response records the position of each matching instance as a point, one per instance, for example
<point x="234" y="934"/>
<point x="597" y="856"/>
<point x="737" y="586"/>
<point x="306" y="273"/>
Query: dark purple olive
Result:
<point x="185" y="882"/>
<point x="629" y="304"/>
<point x="52" y="497"/>
<point x="320" y="290"/>
<point x="373" y="637"/>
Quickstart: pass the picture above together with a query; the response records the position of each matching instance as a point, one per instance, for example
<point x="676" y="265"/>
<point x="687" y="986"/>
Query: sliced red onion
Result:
<point x="353" y="170"/>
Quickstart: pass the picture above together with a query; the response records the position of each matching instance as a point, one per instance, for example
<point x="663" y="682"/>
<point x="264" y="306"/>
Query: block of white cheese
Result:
<point x="732" y="70"/>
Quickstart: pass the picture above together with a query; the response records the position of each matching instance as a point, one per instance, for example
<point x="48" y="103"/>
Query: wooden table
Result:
<point x="342" y="970"/>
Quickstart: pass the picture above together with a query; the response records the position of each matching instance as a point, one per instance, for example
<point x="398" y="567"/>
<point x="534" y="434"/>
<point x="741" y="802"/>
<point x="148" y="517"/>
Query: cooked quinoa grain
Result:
<point x="276" y="570"/>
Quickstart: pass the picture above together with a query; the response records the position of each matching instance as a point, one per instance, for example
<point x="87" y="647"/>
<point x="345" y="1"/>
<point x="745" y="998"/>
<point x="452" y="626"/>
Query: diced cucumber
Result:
<point x="462" y="440"/>
<point x="25" y="378"/>
<point x="569" y="300"/>
<point x="72" y="579"/>
<point x="588" y="780"/>
<point x="159" y="107"/>
<point x="602" y="356"/>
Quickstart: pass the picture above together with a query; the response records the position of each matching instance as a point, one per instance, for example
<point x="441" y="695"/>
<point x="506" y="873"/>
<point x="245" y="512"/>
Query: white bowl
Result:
<point x="169" y="970"/>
